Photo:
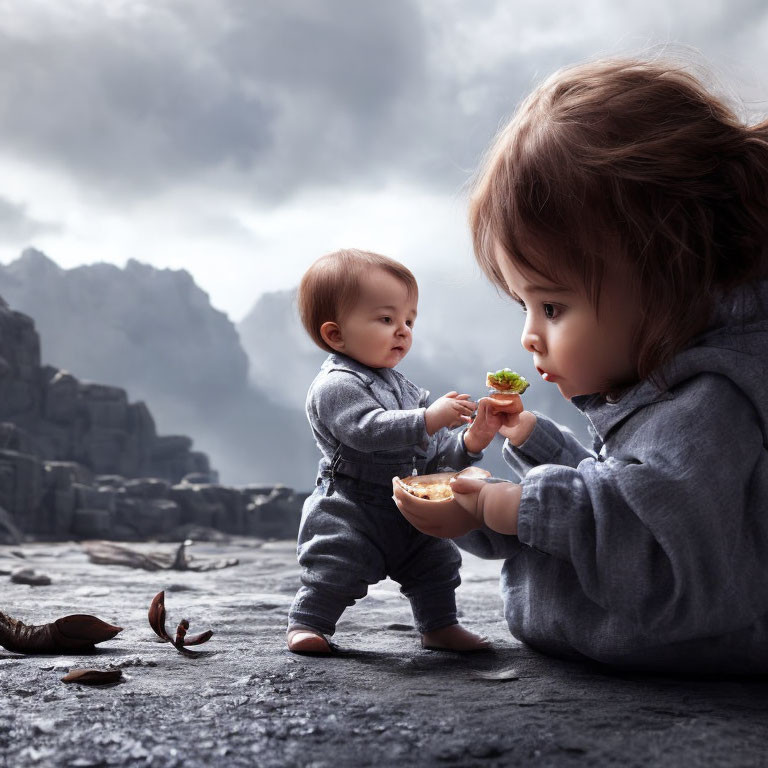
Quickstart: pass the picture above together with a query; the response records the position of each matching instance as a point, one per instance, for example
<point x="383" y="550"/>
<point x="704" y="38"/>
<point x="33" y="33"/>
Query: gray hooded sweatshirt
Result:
<point x="651" y="550"/>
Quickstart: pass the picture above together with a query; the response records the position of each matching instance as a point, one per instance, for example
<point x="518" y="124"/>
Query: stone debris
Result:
<point x="9" y="533"/>
<point x="30" y="576"/>
<point x="109" y="553"/>
<point x="78" y="460"/>
<point x="135" y="661"/>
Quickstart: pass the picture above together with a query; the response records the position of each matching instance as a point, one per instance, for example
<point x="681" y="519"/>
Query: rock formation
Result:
<point x="78" y="459"/>
<point x="154" y="333"/>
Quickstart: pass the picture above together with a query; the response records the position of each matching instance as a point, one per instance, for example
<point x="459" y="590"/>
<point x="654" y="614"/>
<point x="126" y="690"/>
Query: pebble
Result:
<point x="135" y="661"/>
<point x="485" y="748"/>
<point x="43" y="726"/>
<point x="29" y="576"/>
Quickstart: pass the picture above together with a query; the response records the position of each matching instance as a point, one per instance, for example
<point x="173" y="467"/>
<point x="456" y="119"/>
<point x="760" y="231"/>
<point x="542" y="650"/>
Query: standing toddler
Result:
<point x="370" y="424"/>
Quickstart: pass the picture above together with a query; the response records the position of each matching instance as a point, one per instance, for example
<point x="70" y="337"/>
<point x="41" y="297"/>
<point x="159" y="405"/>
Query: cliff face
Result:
<point x="154" y="333"/>
<point x="150" y="331"/>
<point x="78" y="459"/>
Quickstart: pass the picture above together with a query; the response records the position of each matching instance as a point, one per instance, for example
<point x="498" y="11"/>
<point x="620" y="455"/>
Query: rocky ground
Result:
<point x="380" y="701"/>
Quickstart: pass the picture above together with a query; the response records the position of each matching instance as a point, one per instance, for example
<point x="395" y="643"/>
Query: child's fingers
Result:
<point x="506" y="406"/>
<point x="465" y="485"/>
<point x="463" y="494"/>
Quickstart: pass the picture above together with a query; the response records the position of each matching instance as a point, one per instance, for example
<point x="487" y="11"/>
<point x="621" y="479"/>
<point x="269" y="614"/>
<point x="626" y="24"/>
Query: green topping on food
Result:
<point x="506" y="380"/>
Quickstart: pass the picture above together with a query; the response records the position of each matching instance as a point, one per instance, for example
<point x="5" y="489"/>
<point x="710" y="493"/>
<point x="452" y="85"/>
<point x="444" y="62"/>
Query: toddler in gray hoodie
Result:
<point x="625" y="208"/>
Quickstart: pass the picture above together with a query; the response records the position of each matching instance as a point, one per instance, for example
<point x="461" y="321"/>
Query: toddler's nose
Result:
<point x="531" y="341"/>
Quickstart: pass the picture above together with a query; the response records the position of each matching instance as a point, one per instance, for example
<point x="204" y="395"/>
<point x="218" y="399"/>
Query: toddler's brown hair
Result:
<point x="635" y="160"/>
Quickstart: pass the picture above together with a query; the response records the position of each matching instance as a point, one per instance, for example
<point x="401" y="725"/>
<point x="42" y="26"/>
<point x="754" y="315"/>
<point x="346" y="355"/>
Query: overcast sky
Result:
<point x="240" y="139"/>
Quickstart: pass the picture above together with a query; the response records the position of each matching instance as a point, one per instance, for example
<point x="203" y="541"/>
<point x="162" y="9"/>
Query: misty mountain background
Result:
<point x="239" y="391"/>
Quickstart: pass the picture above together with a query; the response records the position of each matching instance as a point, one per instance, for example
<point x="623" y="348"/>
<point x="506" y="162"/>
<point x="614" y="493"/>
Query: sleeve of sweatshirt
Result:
<point x="346" y="406"/>
<point x="451" y="451"/>
<point x="488" y="544"/>
<point x="548" y="443"/>
<point x="667" y="533"/>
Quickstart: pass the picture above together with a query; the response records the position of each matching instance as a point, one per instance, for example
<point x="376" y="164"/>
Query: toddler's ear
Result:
<point x="331" y="334"/>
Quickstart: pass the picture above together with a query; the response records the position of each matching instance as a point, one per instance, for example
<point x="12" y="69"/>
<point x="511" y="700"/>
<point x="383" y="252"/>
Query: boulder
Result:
<point x="9" y="533"/>
<point x="61" y="396"/>
<point x="147" y="488"/>
<point x="21" y="490"/>
<point x="92" y="523"/>
<point x="145" y="518"/>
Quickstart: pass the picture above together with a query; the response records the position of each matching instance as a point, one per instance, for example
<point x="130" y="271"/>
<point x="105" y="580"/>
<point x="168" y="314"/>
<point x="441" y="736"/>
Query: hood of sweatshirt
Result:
<point x="735" y="346"/>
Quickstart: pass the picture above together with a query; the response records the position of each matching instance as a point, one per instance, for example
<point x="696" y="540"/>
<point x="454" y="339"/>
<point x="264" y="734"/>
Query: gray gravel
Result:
<point x="381" y="701"/>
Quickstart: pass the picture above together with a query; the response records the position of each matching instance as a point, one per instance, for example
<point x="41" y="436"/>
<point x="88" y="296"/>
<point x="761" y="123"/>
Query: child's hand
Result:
<point x="450" y="410"/>
<point x="442" y="521"/>
<point x="492" y="418"/>
<point x="518" y="427"/>
<point x="494" y="504"/>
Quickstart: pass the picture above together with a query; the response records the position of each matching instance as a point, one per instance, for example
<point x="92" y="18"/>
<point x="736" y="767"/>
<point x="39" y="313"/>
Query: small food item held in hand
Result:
<point x="429" y="487"/>
<point x="437" y="487"/>
<point x="442" y="517"/>
<point x="506" y="387"/>
<point x="506" y="383"/>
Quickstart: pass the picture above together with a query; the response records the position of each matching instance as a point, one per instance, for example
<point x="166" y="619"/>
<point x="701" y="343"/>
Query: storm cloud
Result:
<point x="16" y="223"/>
<point x="239" y="139"/>
<point x="272" y="97"/>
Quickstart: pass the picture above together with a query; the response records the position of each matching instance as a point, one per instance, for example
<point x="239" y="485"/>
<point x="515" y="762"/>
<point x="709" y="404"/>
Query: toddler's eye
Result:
<point x="409" y="323"/>
<point x="387" y="319"/>
<point x="522" y="305"/>
<point x="551" y="311"/>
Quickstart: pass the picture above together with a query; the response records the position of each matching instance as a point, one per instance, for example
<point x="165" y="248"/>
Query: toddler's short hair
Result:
<point x="634" y="160"/>
<point x="330" y="286"/>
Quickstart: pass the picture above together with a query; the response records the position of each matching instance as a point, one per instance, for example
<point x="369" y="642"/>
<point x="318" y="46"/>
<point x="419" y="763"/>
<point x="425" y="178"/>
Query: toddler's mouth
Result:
<point x="546" y="375"/>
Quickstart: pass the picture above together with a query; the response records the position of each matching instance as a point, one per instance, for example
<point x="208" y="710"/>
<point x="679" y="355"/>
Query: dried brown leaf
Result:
<point x="93" y="676"/>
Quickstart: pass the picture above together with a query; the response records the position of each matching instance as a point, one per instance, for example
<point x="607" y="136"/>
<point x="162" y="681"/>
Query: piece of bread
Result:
<point x="437" y="487"/>
<point x="429" y="491"/>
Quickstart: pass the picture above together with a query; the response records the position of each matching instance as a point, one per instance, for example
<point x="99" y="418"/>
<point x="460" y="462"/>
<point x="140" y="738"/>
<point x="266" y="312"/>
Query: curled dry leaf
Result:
<point x="69" y="634"/>
<point x="93" y="676"/>
<point x="182" y="640"/>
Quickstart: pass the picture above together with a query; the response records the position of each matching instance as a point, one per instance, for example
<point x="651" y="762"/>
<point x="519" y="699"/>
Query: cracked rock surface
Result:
<point x="380" y="701"/>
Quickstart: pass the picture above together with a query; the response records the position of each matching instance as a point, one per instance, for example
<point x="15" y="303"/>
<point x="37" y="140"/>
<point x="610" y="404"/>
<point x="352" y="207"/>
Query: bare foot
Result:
<point x="306" y="640"/>
<point x="454" y="638"/>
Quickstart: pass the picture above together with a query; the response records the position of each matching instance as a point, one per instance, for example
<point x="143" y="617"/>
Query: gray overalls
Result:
<point x="369" y="426"/>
